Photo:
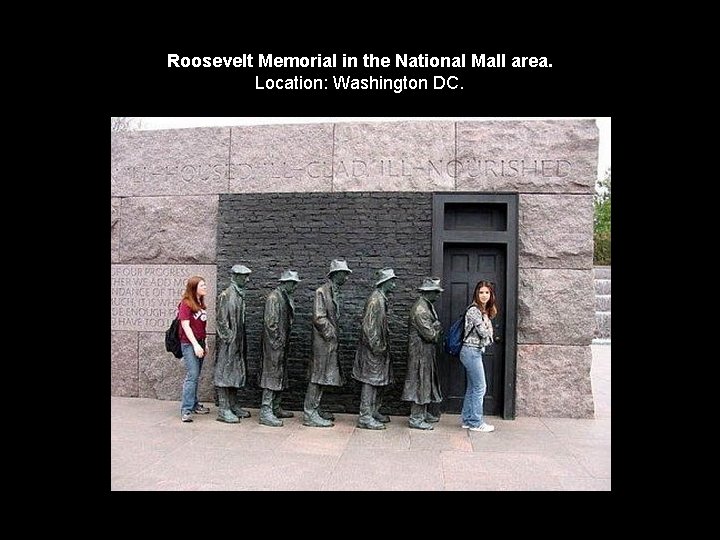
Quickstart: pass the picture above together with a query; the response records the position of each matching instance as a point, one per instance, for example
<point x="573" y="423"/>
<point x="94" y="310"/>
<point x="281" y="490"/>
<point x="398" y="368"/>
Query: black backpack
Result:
<point x="172" y="338"/>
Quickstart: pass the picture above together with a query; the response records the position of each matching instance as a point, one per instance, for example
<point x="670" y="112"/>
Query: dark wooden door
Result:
<point x="463" y="267"/>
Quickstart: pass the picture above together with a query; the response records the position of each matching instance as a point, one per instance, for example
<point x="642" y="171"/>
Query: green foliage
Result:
<point x="601" y="221"/>
<point x="601" y="248"/>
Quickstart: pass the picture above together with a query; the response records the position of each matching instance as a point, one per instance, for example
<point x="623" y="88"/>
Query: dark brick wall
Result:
<point x="270" y="232"/>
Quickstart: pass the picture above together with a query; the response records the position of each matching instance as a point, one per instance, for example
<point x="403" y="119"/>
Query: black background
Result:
<point x="132" y="80"/>
<point x="575" y="85"/>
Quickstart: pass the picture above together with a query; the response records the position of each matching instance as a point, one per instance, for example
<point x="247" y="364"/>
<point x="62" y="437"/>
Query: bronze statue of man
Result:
<point x="231" y="349"/>
<point x="422" y="385"/>
<point x="372" y="366"/>
<point x="324" y="368"/>
<point x="277" y="322"/>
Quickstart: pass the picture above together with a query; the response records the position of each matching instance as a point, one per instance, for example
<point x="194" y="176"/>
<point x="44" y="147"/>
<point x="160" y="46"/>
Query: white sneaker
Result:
<point x="485" y="428"/>
<point x="465" y="426"/>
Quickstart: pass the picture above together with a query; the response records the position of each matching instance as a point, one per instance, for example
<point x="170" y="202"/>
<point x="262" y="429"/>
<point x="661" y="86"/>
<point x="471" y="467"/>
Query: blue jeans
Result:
<point x="193" y="365"/>
<point x="472" y="411"/>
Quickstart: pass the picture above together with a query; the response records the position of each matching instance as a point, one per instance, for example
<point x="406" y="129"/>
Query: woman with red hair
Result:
<point x="193" y="323"/>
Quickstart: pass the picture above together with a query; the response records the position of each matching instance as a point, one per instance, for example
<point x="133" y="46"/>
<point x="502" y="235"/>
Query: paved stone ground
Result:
<point x="152" y="450"/>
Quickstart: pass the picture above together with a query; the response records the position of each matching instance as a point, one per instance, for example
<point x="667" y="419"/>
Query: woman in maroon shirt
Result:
<point x="193" y="323"/>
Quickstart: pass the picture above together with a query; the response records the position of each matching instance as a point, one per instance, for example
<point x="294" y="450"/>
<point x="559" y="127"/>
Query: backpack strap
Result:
<point x="473" y="326"/>
<point x="463" y="323"/>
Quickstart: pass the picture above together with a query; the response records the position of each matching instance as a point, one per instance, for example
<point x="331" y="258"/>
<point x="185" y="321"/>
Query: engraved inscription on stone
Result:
<point x="394" y="156"/>
<point x="352" y="168"/>
<point x="394" y="167"/>
<point x="144" y="296"/>
<point x="169" y="162"/>
<point x="281" y="158"/>
<point x="280" y="169"/>
<point x="528" y="156"/>
<point x="187" y="172"/>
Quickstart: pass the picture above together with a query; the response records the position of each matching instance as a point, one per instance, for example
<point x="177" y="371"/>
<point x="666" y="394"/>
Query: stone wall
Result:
<point x="166" y="188"/>
<point x="143" y="301"/>
<point x="304" y="232"/>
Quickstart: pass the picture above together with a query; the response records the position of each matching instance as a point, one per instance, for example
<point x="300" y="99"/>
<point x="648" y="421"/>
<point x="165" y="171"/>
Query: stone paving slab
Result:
<point x="530" y="463"/>
<point x="503" y="482"/>
<point x="396" y="436"/>
<point x="585" y="484"/>
<point x="152" y="450"/>
<point x="579" y="428"/>
<point x="504" y="439"/>
<point x="593" y="455"/>
<point x="445" y="436"/>
<point x="366" y="469"/>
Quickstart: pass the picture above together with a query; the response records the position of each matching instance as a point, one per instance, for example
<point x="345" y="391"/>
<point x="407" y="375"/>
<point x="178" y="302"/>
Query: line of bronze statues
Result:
<point x="372" y="366"/>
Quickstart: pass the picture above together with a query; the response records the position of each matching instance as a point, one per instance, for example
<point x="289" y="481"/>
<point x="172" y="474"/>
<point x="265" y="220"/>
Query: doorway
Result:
<point x="475" y="237"/>
<point x="464" y="266"/>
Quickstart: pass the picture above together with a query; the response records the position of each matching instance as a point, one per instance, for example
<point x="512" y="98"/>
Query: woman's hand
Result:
<point x="199" y="351"/>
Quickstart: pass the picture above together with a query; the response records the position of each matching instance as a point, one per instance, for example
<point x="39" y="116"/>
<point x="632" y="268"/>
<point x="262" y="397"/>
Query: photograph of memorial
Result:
<point x="331" y="262"/>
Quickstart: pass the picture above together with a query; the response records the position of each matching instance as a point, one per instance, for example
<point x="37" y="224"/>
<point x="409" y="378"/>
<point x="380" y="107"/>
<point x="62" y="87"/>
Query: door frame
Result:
<point x="509" y="238"/>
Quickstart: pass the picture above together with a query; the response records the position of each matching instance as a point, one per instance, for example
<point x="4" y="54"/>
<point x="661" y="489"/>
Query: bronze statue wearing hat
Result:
<point x="422" y="384"/>
<point x="372" y="365"/>
<point x="324" y="369"/>
<point x="277" y="322"/>
<point x="231" y="350"/>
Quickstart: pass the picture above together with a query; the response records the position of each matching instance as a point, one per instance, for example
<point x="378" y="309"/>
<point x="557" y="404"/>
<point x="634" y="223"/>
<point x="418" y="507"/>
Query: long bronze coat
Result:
<point x="324" y="367"/>
<point x="277" y="321"/>
<point x="231" y="348"/>
<point x="372" y="359"/>
<point x="424" y="332"/>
